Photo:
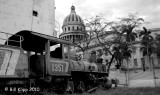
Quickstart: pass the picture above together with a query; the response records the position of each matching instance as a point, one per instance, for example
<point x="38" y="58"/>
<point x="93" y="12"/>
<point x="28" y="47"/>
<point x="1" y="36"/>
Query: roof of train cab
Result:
<point x="33" y="41"/>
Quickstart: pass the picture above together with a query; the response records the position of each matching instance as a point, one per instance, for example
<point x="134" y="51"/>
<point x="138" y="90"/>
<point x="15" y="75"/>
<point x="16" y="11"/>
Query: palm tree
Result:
<point x="126" y="55"/>
<point x="157" y="44"/>
<point x="118" y="56"/>
<point x="122" y="51"/>
<point x="147" y="43"/>
<point x="130" y="36"/>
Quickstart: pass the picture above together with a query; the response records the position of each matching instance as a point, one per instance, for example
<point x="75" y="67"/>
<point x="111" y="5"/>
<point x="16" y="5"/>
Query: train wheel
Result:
<point x="107" y="84"/>
<point x="32" y="83"/>
<point x="70" y="87"/>
<point x="81" y="86"/>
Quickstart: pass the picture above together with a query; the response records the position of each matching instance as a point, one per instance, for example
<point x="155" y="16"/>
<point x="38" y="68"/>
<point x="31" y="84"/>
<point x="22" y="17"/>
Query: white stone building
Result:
<point x="134" y="76"/>
<point x="35" y="15"/>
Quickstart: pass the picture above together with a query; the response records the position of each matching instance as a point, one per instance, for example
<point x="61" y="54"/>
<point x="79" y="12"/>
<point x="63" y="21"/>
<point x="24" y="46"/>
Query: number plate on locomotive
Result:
<point x="58" y="66"/>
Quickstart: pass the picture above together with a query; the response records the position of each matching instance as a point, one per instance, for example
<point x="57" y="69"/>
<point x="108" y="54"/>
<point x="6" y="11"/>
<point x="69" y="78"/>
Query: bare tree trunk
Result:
<point x="152" y="69"/>
<point x="127" y="72"/>
<point x="109" y="65"/>
<point x="154" y="76"/>
<point x="148" y="59"/>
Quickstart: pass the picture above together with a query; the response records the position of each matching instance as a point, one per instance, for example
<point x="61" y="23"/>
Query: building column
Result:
<point x="73" y="37"/>
<point x="67" y="37"/>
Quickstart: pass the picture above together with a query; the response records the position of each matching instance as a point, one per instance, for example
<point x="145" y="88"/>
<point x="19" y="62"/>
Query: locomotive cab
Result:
<point x="45" y="54"/>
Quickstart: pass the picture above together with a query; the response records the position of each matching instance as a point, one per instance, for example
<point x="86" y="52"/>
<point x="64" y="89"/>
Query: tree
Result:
<point x="157" y="46"/>
<point x="114" y="33"/>
<point x="99" y="27"/>
<point x="79" y="41"/>
<point x="127" y="35"/>
<point x="80" y="45"/>
<point x="147" y="43"/>
<point x="128" y="24"/>
<point x="122" y="52"/>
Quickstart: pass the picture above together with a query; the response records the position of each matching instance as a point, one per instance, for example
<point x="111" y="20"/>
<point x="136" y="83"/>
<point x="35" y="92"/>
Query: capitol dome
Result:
<point x="73" y="27"/>
<point x="73" y="18"/>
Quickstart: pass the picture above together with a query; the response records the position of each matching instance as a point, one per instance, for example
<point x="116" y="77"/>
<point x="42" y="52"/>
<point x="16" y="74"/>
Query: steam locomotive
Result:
<point x="31" y="59"/>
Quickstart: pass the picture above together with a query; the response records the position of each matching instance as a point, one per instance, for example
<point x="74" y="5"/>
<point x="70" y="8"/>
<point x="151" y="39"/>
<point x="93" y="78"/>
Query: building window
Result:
<point x="73" y="28"/>
<point x="135" y="63"/>
<point x="155" y="34"/>
<point x="158" y="61"/>
<point x="68" y="28"/>
<point x="65" y="29"/>
<point x="81" y="28"/>
<point x="152" y="61"/>
<point x="35" y="13"/>
<point x="143" y="62"/>
<point x="77" y="28"/>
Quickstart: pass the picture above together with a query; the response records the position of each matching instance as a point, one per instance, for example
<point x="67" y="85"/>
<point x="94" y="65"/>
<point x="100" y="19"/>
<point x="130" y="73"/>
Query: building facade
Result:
<point x="131" y="73"/>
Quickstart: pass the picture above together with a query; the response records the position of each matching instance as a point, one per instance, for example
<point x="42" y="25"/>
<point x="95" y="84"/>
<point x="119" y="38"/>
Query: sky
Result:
<point x="149" y="10"/>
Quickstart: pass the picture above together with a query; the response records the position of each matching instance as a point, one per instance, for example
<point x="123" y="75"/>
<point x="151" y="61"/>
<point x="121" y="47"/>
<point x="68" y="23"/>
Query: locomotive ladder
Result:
<point x="4" y="37"/>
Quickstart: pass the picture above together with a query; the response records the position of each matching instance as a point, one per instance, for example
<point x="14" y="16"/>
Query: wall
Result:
<point x="16" y="15"/>
<point x="137" y="78"/>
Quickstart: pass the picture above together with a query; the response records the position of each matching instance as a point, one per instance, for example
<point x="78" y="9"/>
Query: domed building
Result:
<point x="73" y="27"/>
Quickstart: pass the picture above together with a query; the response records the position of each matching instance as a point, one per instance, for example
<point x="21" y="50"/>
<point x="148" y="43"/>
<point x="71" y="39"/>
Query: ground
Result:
<point x="113" y="91"/>
<point x="121" y="91"/>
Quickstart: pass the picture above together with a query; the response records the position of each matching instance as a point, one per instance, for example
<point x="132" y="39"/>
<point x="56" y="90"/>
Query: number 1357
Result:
<point x="57" y="67"/>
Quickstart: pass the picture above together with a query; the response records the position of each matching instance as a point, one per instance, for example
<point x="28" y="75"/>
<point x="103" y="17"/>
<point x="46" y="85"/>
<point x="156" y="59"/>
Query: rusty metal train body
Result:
<point x="34" y="59"/>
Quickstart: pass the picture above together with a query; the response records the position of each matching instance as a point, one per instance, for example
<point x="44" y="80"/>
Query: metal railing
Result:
<point x="11" y="40"/>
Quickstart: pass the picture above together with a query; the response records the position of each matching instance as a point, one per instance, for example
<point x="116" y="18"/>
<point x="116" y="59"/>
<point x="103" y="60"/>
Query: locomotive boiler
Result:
<point x="33" y="59"/>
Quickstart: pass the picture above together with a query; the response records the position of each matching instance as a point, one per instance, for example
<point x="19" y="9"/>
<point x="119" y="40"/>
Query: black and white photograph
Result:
<point x="79" y="47"/>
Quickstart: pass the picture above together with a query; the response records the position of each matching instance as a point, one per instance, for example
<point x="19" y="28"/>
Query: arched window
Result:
<point x="81" y="28"/>
<point x="65" y="29"/>
<point x="73" y="28"/>
<point x="68" y="28"/>
<point x="77" y="28"/>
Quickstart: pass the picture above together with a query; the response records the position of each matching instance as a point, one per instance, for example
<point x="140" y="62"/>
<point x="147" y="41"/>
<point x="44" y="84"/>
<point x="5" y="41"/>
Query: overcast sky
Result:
<point x="111" y="9"/>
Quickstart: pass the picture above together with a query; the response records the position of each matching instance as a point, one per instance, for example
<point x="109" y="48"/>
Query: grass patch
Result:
<point x="119" y="91"/>
<point x="126" y="91"/>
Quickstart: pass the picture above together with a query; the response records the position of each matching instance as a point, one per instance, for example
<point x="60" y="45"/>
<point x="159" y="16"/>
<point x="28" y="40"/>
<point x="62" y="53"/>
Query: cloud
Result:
<point x="111" y="9"/>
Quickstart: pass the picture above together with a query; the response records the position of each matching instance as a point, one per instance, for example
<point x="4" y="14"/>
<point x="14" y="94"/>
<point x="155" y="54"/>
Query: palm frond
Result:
<point x="145" y="30"/>
<point x="134" y="34"/>
<point x="143" y="48"/>
<point x="149" y="32"/>
<point x="142" y="33"/>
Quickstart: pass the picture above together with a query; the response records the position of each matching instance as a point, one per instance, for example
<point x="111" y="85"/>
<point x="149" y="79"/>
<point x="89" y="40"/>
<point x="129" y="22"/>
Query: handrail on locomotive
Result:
<point x="8" y="40"/>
